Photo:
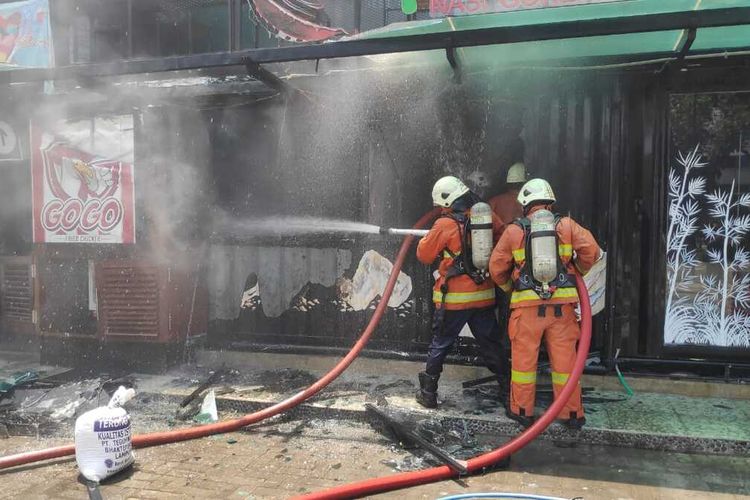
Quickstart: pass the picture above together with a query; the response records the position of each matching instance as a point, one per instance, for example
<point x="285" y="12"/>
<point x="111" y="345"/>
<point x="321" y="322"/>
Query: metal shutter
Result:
<point x="17" y="291"/>
<point x="128" y="297"/>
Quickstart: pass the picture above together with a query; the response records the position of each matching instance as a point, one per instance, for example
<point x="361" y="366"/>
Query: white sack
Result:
<point x="103" y="438"/>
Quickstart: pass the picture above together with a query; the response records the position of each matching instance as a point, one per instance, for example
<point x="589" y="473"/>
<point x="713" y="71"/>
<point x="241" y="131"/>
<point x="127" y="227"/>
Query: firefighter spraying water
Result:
<point x="462" y="240"/>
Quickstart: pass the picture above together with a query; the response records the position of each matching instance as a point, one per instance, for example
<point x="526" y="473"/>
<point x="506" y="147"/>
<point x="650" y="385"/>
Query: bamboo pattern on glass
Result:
<point x="705" y="306"/>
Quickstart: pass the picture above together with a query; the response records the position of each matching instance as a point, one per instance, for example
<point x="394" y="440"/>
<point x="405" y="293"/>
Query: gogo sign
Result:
<point x="79" y="197"/>
<point x="91" y="216"/>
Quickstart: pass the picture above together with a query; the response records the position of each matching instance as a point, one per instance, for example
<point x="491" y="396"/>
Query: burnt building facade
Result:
<point x="646" y="145"/>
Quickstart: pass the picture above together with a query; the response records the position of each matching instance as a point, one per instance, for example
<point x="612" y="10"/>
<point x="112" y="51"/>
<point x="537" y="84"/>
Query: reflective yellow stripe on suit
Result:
<point x="560" y="293"/>
<point x="560" y="378"/>
<point x="563" y="250"/>
<point x="522" y="377"/>
<point x="464" y="297"/>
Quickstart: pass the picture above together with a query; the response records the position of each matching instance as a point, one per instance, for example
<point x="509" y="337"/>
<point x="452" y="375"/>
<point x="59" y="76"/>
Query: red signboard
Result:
<point x="79" y="196"/>
<point x="441" y="8"/>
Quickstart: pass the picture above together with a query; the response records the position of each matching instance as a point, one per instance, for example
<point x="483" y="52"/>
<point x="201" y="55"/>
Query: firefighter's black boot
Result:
<point x="574" y="423"/>
<point x="427" y="394"/>
<point x="504" y="395"/>
<point x="522" y="419"/>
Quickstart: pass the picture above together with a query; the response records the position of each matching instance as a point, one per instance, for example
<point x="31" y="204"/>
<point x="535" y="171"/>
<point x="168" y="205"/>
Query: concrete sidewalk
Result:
<point x="293" y="457"/>
<point x="630" y="449"/>
<point x="647" y="420"/>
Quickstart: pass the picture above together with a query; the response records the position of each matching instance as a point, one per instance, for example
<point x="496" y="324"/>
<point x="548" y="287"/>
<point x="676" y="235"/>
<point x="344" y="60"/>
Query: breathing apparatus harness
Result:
<point x="462" y="263"/>
<point x="526" y="279"/>
<point x="478" y="224"/>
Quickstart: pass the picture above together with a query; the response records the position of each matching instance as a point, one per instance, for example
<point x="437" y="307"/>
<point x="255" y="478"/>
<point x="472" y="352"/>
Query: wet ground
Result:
<point x="293" y="457"/>
<point x="49" y="406"/>
<point x="331" y="439"/>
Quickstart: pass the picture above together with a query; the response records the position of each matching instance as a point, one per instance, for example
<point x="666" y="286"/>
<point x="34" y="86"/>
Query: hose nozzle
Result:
<point x="419" y="233"/>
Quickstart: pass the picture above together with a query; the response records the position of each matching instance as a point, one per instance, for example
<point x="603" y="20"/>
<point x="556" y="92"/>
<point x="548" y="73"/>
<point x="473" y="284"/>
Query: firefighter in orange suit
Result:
<point x="538" y="273"/>
<point x="461" y="295"/>
<point x="505" y="205"/>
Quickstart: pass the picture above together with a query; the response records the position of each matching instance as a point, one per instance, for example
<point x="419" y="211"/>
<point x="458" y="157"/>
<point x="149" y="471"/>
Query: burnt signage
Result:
<point x="82" y="184"/>
<point x="442" y="8"/>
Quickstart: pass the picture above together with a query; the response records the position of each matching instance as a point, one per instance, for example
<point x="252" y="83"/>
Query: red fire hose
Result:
<point x="145" y="440"/>
<point x="409" y="479"/>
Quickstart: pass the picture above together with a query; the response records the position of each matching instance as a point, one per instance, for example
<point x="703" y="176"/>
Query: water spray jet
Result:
<point x="293" y="226"/>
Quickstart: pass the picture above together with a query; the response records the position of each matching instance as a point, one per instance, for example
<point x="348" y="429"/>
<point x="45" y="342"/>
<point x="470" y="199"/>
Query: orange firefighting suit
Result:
<point x="533" y="318"/>
<point x="506" y="206"/>
<point x="444" y="239"/>
<point x="465" y="302"/>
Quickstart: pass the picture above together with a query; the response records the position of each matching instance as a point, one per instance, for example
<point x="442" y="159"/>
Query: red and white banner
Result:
<point x="80" y="196"/>
<point x="441" y="8"/>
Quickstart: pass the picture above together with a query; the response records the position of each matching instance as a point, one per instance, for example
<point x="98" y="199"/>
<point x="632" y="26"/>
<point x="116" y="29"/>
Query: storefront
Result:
<point x="639" y="115"/>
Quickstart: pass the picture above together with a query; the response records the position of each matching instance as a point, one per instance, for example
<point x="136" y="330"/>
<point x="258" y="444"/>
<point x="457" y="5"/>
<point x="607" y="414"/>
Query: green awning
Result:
<point x="634" y="46"/>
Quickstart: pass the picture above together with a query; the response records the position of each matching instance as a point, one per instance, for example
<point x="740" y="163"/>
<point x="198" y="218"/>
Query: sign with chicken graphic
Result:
<point x="80" y="196"/>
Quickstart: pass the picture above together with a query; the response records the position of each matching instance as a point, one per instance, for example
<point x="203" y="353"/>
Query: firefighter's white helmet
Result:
<point x="447" y="190"/>
<point x="536" y="190"/>
<point x="516" y="174"/>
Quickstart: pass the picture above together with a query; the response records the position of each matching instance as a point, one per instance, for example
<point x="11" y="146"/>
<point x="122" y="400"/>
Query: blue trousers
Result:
<point x="447" y="325"/>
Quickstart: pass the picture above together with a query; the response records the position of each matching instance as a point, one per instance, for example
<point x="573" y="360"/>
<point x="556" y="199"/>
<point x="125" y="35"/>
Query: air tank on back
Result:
<point x="543" y="246"/>
<point x="481" y="235"/>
